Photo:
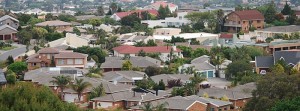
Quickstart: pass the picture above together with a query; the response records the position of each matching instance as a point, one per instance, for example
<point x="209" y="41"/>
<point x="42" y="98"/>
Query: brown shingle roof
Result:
<point x="70" y="55"/>
<point x="53" y="23"/>
<point x="48" y="50"/>
<point x="249" y="15"/>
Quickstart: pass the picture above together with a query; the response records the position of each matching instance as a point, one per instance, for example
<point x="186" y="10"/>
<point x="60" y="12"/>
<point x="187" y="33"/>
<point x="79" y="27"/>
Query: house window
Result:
<point x="225" y="109"/>
<point x="180" y="17"/>
<point x="48" y="56"/>
<point x="212" y="109"/>
<point x="220" y="109"/>
<point x="78" y="61"/>
<point x="258" y="21"/>
<point x="70" y="61"/>
<point x="60" y="61"/>
<point x="239" y="22"/>
<point x="33" y="64"/>
<point x="244" y="22"/>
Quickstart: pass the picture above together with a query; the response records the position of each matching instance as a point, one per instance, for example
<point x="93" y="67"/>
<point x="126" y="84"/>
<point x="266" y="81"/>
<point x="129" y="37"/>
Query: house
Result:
<point x="57" y="24"/>
<point x="190" y="103"/>
<point x="115" y="63"/>
<point x="124" y="77"/>
<point x="264" y="63"/>
<point x="297" y="12"/>
<point x="44" y="75"/>
<point x="164" y="4"/>
<point x="243" y="20"/>
<point x="164" y="51"/>
<point x="134" y="38"/>
<point x="226" y="38"/>
<point x="71" y="30"/>
<point x="47" y="57"/>
<point x="211" y="9"/>
<point x="88" y="17"/>
<point x="177" y="21"/>
<point x="3" y="80"/>
<point x="271" y="31"/>
<point x="237" y="96"/>
<point x="74" y="40"/>
<point x="167" y="31"/>
<point x="8" y="28"/>
<point x="119" y="15"/>
<point x="282" y="45"/>
<point x="126" y="99"/>
<point x="167" y="77"/>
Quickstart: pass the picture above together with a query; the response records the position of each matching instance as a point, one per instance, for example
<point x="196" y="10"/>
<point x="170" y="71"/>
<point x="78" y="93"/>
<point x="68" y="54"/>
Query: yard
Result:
<point x="7" y="48"/>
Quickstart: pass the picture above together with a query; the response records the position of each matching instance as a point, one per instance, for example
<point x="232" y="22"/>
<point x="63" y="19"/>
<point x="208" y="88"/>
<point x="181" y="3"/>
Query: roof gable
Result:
<point x="249" y="15"/>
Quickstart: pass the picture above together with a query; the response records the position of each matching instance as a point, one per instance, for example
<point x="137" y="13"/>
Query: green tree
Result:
<point x="161" y="85"/>
<point x="11" y="77"/>
<point x="269" y="39"/>
<point x="292" y="18"/>
<point x="10" y="60"/>
<point x="49" y="17"/>
<point x="147" y="107"/>
<point x="39" y="35"/>
<point x="217" y="60"/>
<point x="178" y="91"/>
<point x="130" y="20"/>
<point x="151" y="43"/>
<point x="162" y="107"/>
<point x="76" y="31"/>
<point x="66" y="18"/>
<point x="62" y="82"/>
<point x="277" y="69"/>
<point x="18" y="67"/>
<point x="26" y="96"/>
<point x="79" y="86"/>
<point x="287" y="9"/>
<point x="237" y="69"/>
<point x="199" y="52"/>
<point x="270" y="12"/>
<point x="152" y="71"/>
<point x="142" y="53"/>
<point x="287" y="105"/>
<point x="100" y="11"/>
<point x="97" y="92"/>
<point x="127" y="65"/>
<point x="95" y="22"/>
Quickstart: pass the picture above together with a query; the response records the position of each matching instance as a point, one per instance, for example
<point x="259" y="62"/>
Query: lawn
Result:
<point x="8" y="48"/>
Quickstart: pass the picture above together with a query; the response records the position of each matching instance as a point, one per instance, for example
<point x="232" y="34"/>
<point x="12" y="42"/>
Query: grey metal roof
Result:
<point x="200" y="59"/>
<point x="215" y="102"/>
<point x="7" y="16"/>
<point x="290" y="57"/>
<point x="122" y="76"/>
<point x="290" y="28"/>
<point x="166" y="77"/>
<point x="2" y="77"/>
<point x="7" y="26"/>
<point x="264" y="61"/>
<point x="219" y="93"/>
<point x="116" y="62"/>
<point x="246" y="88"/>
<point x="202" y="66"/>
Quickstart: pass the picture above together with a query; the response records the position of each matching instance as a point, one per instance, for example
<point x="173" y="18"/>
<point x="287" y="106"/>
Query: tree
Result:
<point x="95" y="22"/>
<point x="100" y="11"/>
<point x="147" y="107"/>
<point x="66" y="18"/>
<point x="26" y="96"/>
<point x="174" y="83"/>
<point x="76" y="31"/>
<point x="161" y="85"/>
<point x="272" y="88"/>
<point x="130" y="20"/>
<point x="224" y="98"/>
<point x="24" y="36"/>
<point x="142" y="53"/>
<point x="287" y="105"/>
<point x="152" y="71"/>
<point x="127" y="65"/>
<point x="146" y="83"/>
<point x="17" y="67"/>
<point x="270" y="12"/>
<point x="39" y="34"/>
<point x="97" y="92"/>
<point x="11" y="77"/>
<point x="291" y="19"/>
<point x="162" y="107"/>
<point x="62" y="82"/>
<point x="151" y="43"/>
<point x="237" y="69"/>
<point x="199" y="52"/>
<point x="10" y="60"/>
<point x="178" y="91"/>
<point x="49" y="17"/>
<point x="277" y="69"/>
<point x="199" y="26"/>
<point x="287" y="9"/>
<point x="162" y="12"/>
<point x="79" y="86"/>
<point x="269" y="39"/>
<point x="217" y="60"/>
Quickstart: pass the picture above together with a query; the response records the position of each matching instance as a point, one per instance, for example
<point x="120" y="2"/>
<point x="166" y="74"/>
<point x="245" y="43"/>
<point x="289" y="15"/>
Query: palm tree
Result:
<point x="79" y="86"/>
<point x="161" y="107"/>
<point x="217" y="60"/>
<point x="61" y="82"/>
<point x="147" y="107"/>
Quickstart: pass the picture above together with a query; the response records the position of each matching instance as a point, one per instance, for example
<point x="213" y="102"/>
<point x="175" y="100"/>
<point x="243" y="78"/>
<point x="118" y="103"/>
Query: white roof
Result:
<point x="186" y="36"/>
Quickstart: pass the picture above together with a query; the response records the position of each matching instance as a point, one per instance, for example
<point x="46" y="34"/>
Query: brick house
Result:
<point x="243" y="20"/>
<point x="57" y="24"/>
<point x="8" y="28"/>
<point x="61" y="58"/>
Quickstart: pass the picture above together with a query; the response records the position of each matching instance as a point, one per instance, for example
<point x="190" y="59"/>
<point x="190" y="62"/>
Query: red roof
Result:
<point x="297" y="12"/>
<point x="249" y="15"/>
<point x="163" y="4"/>
<point x="226" y="36"/>
<point x="124" y="14"/>
<point x="126" y="49"/>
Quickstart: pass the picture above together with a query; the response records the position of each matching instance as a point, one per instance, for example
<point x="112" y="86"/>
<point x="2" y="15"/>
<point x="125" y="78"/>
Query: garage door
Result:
<point x="210" y="73"/>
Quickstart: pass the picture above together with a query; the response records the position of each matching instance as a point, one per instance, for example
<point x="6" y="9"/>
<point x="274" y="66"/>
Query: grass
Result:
<point x="8" y="48"/>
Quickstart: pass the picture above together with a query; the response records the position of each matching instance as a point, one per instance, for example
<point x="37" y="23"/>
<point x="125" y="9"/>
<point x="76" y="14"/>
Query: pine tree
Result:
<point x="287" y="9"/>
<point x="270" y="13"/>
<point x="9" y="60"/>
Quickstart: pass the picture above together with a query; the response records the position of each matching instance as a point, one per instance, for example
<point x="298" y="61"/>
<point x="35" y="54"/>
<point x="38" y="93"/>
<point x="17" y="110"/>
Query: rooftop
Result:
<point x="249" y="15"/>
<point x="53" y="23"/>
<point x="290" y="28"/>
<point x="126" y="49"/>
<point x="116" y="62"/>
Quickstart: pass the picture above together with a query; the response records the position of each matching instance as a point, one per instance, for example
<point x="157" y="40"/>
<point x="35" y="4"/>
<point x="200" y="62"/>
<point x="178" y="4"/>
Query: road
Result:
<point x="14" y="52"/>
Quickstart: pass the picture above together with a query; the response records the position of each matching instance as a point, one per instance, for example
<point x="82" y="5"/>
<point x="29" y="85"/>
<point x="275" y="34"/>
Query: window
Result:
<point x="78" y="61"/>
<point x="177" y="23"/>
<point x="180" y="17"/>
<point x="244" y="22"/>
<point x="258" y="21"/>
<point x="212" y="109"/>
<point x="33" y="64"/>
<point x="239" y="22"/>
<point x="225" y="109"/>
<point x="220" y="109"/>
<point x="70" y="61"/>
<point x="48" y="56"/>
<point x="60" y="61"/>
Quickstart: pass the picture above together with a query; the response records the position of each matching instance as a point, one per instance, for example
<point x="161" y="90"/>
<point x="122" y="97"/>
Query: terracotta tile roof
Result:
<point x="34" y="60"/>
<point x="124" y="14"/>
<point x="70" y="55"/>
<point x="163" y="3"/>
<point x="297" y="12"/>
<point x="53" y="23"/>
<point x="126" y="49"/>
<point x="249" y="15"/>
<point x="226" y="36"/>
<point x="48" y="50"/>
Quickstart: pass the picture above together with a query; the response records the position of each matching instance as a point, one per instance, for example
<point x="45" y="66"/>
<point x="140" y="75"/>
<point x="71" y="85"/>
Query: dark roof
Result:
<point x="264" y="61"/>
<point x="219" y="93"/>
<point x="69" y="54"/>
<point x="249" y="15"/>
<point x="290" y="57"/>
<point x="289" y="28"/>
<point x="2" y="77"/>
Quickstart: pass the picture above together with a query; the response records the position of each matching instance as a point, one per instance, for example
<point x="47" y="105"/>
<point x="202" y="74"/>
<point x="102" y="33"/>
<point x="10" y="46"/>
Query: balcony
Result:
<point x="232" y="25"/>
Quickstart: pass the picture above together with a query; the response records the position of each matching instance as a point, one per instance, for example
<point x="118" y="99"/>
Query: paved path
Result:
<point x="14" y="52"/>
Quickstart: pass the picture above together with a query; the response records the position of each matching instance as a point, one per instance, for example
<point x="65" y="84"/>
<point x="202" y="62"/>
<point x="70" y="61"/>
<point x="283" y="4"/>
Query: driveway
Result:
<point x="218" y="82"/>
<point x="14" y="52"/>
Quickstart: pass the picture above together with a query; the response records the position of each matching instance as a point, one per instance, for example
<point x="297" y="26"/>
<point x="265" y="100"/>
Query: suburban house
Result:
<point x="124" y="77"/>
<point x="3" y="80"/>
<point x="164" y="4"/>
<point x="226" y="38"/>
<point x="115" y="63"/>
<point x="264" y="63"/>
<point x="126" y="99"/>
<point x="167" y="77"/>
<point x="271" y="31"/>
<point x="164" y="51"/>
<point x="167" y="31"/>
<point x="177" y="21"/>
<point x="74" y="40"/>
<point x="133" y="38"/>
<point x="190" y="103"/>
<point x="47" y="57"/>
<point x="243" y="20"/>
<point x="43" y="76"/>
<point x="238" y="96"/>
<point x="8" y="28"/>
<point x="119" y="15"/>
<point x="57" y="24"/>
<point x="283" y="45"/>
